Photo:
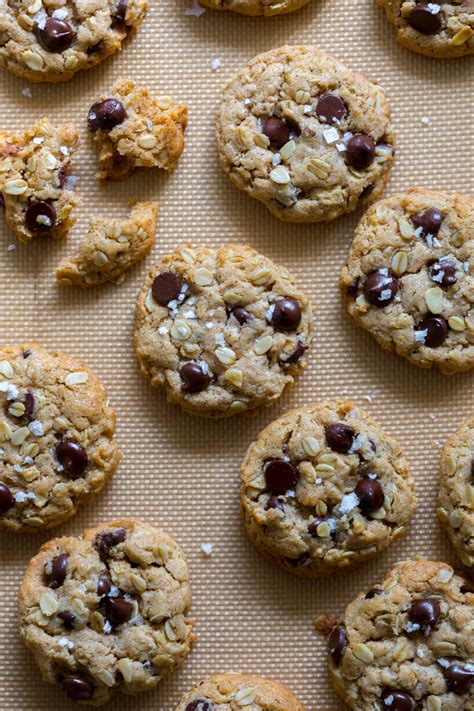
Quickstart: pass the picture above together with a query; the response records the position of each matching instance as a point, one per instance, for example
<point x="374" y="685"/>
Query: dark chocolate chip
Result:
<point x="444" y="273"/>
<point x="296" y="354"/>
<point x="166" y="288"/>
<point x="380" y="288"/>
<point x="280" y="476"/>
<point x="397" y="700"/>
<point x="459" y="678"/>
<point x="29" y="403"/>
<point x="312" y="527"/>
<point x="77" y="689"/>
<point x="370" y="493"/>
<point x="339" y="437"/>
<point x="241" y="314"/>
<point x="72" y="456"/>
<point x="360" y="151"/>
<point x="69" y="618"/>
<point x="372" y="593"/>
<point x="58" y="573"/>
<point x="103" y="586"/>
<point x="121" y="11"/>
<point x="425" y="612"/>
<point x="275" y="502"/>
<point x="286" y="314"/>
<point x="367" y="191"/>
<point x="337" y="644"/>
<point x="277" y="130"/>
<point x="117" y="610"/>
<point x="40" y="216"/>
<point x="200" y="705"/>
<point x="426" y="18"/>
<point x="7" y="500"/>
<point x="330" y="108"/>
<point x="109" y="540"/>
<point x="55" y="35"/>
<point x="429" y="220"/>
<point x="193" y="378"/>
<point x="433" y="331"/>
<point x="105" y="115"/>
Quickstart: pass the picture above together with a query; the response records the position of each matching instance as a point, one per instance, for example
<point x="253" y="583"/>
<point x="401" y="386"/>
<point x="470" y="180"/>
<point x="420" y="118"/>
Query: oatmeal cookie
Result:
<point x="232" y="692"/>
<point x="408" y="643"/>
<point x="107" y="611"/>
<point x="456" y="495"/>
<point x="132" y="129"/>
<point x="33" y="180"/>
<point x="110" y="247"/>
<point x="57" y="446"/>
<point x="324" y="489"/>
<point x="437" y="29"/>
<point x="256" y="7"/>
<point x="221" y="330"/>
<point x="408" y="277"/>
<point x="50" y="40"/>
<point x="305" y="135"/>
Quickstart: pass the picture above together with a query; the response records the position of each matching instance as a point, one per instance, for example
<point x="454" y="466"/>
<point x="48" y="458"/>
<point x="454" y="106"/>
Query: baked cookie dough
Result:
<point x="305" y="135"/>
<point x="221" y="330"/>
<point x="34" y="183"/>
<point x="57" y="446"/>
<point x="324" y="489"/>
<point x="408" y="277"/>
<point x="456" y="494"/>
<point x="232" y="692"/>
<point x="131" y="129"/>
<point x="107" y="611"/>
<point x="437" y="29"/>
<point x="256" y="7"/>
<point x="50" y="40"/>
<point x="111" y="247"/>
<point x="407" y="644"/>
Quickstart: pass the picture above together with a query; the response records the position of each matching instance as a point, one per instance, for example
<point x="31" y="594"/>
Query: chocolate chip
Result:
<point x="286" y="314"/>
<point x="380" y="288"/>
<point x="459" y="678"/>
<point x="330" y="108"/>
<point x="72" y="456"/>
<point x="433" y="331"/>
<point x="27" y="353"/>
<point x="55" y="35"/>
<point x="337" y="644"/>
<point x="426" y="18"/>
<point x="425" y="612"/>
<point x="339" y="437"/>
<point x="166" y="288"/>
<point x="367" y="191"/>
<point x="280" y="476"/>
<point x="7" y="500"/>
<point x="109" y="540"/>
<point x="29" y="403"/>
<point x="370" y="493"/>
<point x="444" y="273"/>
<point x="372" y="593"/>
<point x="103" y="586"/>
<point x="241" y="314"/>
<point x="296" y="354"/>
<point x="429" y="220"/>
<point x="200" y="705"/>
<point x="117" y="610"/>
<point x="360" y="151"/>
<point x="57" y="576"/>
<point x="193" y="378"/>
<point x="40" y="216"/>
<point x="312" y="527"/>
<point x="277" y="130"/>
<point x="275" y="502"/>
<point x="397" y="700"/>
<point x="77" y="689"/>
<point x="68" y="618"/>
<point x="121" y="11"/>
<point x="105" y="115"/>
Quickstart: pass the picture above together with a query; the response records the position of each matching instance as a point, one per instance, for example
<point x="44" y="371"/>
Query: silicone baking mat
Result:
<point x="180" y="472"/>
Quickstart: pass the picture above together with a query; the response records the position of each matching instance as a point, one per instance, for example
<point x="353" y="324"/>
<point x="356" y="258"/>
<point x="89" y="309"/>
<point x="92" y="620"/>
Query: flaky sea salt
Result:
<point x="207" y="549"/>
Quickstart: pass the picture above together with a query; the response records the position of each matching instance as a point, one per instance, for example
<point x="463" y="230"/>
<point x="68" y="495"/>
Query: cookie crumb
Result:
<point x="325" y="623"/>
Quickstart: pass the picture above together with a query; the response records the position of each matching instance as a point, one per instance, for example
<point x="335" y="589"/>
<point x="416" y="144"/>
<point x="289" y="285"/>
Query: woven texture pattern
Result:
<point x="182" y="473"/>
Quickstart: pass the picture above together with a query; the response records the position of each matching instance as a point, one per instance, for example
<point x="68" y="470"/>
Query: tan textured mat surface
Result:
<point x="179" y="472"/>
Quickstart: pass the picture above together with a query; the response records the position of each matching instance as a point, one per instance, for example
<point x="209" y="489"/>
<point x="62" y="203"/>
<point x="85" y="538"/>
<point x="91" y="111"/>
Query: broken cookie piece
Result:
<point x="111" y="247"/>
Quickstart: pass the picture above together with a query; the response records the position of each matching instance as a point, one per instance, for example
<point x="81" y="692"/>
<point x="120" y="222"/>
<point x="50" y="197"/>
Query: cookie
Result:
<point x="221" y="330"/>
<point x="110" y="247"/>
<point x="50" y="41"/>
<point x="34" y="184"/>
<point x="57" y="446"/>
<point x="408" y="277"/>
<point x="256" y="7"/>
<point x="107" y="611"/>
<point x="239" y="691"/>
<point x="324" y="489"/>
<point x="132" y="129"/>
<point x="305" y="135"/>
<point x="456" y="494"/>
<point x="408" y="643"/>
<point x="437" y="29"/>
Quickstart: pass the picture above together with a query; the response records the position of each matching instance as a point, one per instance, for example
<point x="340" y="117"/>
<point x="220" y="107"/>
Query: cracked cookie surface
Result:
<point x="106" y="612"/>
<point x="50" y="40"/>
<point x="408" y="277"/>
<point x="456" y="494"/>
<point x="111" y="247"/>
<point x="407" y="644"/>
<point x="33" y="180"/>
<point x="132" y="129"/>
<point x="221" y="330"/>
<point x="305" y="135"/>
<point x="56" y="437"/>
<point x="233" y="692"/>
<point x="256" y="7"/>
<point x="323" y="489"/>
<point x="437" y="29"/>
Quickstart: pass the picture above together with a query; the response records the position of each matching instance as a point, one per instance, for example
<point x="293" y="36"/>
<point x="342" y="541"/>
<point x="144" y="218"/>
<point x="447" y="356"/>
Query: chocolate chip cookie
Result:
<point x="305" y="135"/>
<point x="256" y="7"/>
<point x="408" y="277"/>
<point x="221" y="330"/>
<point x="34" y="184"/>
<point x="132" y="129"/>
<point x="111" y="247"/>
<point x="408" y="643"/>
<point x="107" y="611"/>
<point x="323" y="489"/>
<point x="456" y="495"/>
<point x="239" y="691"/>
<point x="57" y="446"/>
<point x="437" y="29"/>
<point x="44" y="40"/>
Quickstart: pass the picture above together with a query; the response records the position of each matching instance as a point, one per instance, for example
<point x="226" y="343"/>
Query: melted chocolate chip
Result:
<point x="286" y="314"/>
<point x="425" y="612"/>
<point x="380" y="288"/>
<point x="103" y="586"/>
<point x="313" y="526"/>
<point x="372" y="593"/>
<point x="280" y="476"/>
<point x="109" y="540"/>
<point x="40" y="216"/>
<point x="58" y="573"/>
<point x="429" y="220"/>
<point x="200" y="705"/>
<point x="339" y="437"/>
<point x="72" y="456"/>
<point x="77" y="689"/>
<point x="193" y="378"/>
<point x="275" y="502"/>
<point x="444" y="273"/>
<point x="121" y="11"/>
<point x="296" y="354"/>
<point x="370" y="493"/>
<point x="360" y="151"/>
<point x="68" y="618"/>
<point x="7" y="500"/>
<point x="241" y="314"/>
<point x="459" y="678"/>
<point x="117" y="610"/>
<point x="55" y="35"/>
<point x="337" y="644"/>
<point x="29" y="403"/>
<point x="367" y="191"/>
<point x="277" y="130"/>
<point x="397" y="700"/>
<point x="105" y="115"/>
<point x="330" y="108"/>
<point x="425" y="18"/>
<point x="166" y="288"/>
<point x="433" y="331"/>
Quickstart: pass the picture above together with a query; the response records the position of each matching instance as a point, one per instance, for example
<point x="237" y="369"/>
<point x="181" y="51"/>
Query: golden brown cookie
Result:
<point x="268" y="8"/>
